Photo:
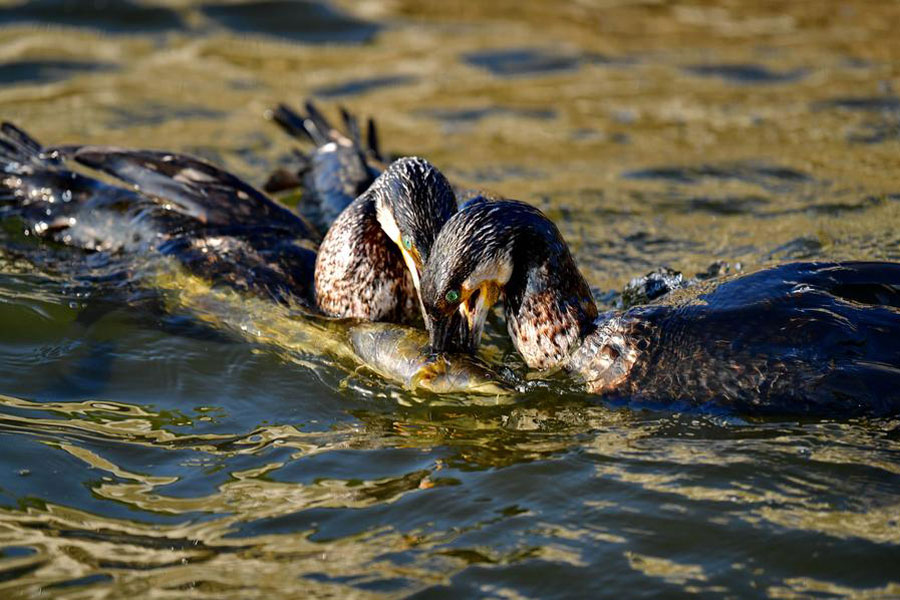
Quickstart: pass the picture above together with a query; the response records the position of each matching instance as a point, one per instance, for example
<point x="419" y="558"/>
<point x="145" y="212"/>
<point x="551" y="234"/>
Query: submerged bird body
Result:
<point x="804" y="338"/>
<point x="801" y="338"/>
<point x="227" y="233"/>
<point x="215" y="224"/>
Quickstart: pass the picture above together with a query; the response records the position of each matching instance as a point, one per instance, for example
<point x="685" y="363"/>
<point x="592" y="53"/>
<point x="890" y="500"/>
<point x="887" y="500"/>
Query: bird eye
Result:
<point x="452" y="296"/>
<point x="407" y="243"/>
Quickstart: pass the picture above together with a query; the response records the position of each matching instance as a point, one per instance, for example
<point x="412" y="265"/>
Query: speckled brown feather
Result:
<point x="360" y="272"/>
<point x="545" y="329"/>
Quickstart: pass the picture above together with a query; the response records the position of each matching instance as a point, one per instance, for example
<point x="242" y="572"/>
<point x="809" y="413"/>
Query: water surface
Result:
<point x="150" y="453"/>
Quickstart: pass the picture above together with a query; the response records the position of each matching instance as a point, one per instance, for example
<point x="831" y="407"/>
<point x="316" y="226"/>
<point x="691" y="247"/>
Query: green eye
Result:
<point x="452" y="296"/>
<point x="407" y="243"/>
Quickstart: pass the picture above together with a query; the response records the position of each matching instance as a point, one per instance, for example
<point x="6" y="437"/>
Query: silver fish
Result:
<point x="401" y="354"/>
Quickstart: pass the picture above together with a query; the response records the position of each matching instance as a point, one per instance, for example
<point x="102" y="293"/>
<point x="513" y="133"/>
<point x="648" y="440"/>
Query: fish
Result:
<point x="401" y="354"/>
<point x="394" y="352"/>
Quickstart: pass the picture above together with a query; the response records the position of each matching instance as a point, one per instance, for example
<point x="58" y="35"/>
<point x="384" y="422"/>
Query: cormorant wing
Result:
<point x="190" y="186"/>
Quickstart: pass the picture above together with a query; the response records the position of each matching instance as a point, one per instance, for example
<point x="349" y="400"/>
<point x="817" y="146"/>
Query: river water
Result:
<point x="149" y="455"/>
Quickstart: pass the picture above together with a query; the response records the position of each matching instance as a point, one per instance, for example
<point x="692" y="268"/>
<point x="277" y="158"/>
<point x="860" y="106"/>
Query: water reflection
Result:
<point x="746" y="74"/>
<point x="523" y="61"/>
<point x="361" y="86"/>
<point x="398" y="501"/>
<point x="110" y="16"/>
<point x="296" y="20"/>
<point x="150" y="450"/>
<point x="40" y="71"/>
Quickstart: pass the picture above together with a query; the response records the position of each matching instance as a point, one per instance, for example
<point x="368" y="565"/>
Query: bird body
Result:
<point x="226" y="234"/>
<point x="225" y="230"/>
<point x="802" y="338"/>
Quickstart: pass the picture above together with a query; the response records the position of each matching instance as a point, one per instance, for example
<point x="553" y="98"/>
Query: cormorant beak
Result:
<point x="413" y="263"/>
<point x="411" y="257"/>
<point x="442" y="332"/>
<point x="474" y="311"/>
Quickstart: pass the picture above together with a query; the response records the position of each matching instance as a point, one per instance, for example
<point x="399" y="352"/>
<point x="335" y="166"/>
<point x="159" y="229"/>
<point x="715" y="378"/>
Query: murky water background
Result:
<point x="147" y="455"/>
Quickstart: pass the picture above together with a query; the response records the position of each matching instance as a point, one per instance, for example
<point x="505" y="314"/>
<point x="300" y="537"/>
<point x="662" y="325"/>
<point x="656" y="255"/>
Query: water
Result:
<point x="149" y="454"/>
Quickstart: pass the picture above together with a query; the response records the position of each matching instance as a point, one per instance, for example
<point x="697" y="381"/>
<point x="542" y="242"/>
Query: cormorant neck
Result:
<point x="549" y="306"/>
<point x="606" y="357"/>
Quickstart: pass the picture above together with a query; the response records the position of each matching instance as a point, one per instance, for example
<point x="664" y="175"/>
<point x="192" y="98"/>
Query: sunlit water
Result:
<point x="147" y="453"/>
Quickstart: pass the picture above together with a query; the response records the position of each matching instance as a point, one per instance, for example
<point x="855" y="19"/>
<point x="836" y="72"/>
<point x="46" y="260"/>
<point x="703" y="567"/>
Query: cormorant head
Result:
<point x="413" y="200"/>
<point x="470" y="264"/>
<point x="506" y="248"/>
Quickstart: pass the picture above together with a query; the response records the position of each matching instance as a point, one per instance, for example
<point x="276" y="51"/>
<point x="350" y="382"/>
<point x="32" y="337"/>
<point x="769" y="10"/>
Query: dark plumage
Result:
<point x="64" y="206"/>
<point x="339" y="169"/>
<point x="799" y="338"/>
<point x="803" y="338"/>
<point x="205" y="192"/>
<point x="218" y="226"/>
<point x="227" y="232"/>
